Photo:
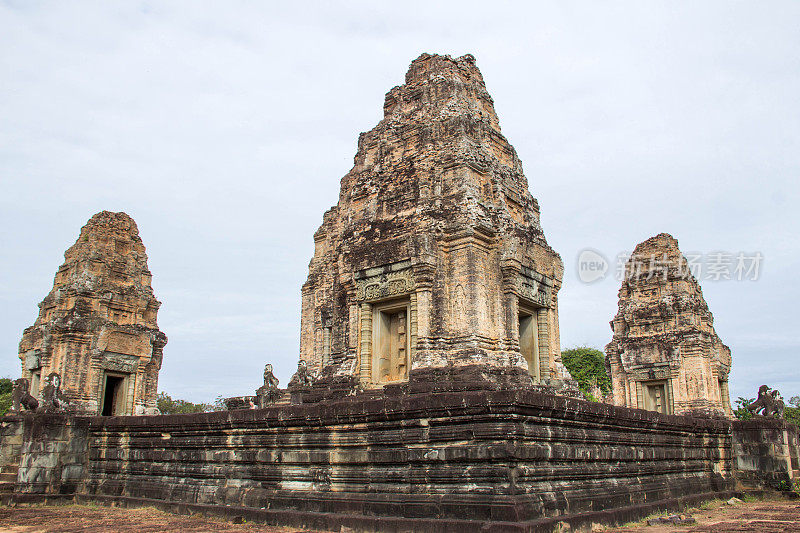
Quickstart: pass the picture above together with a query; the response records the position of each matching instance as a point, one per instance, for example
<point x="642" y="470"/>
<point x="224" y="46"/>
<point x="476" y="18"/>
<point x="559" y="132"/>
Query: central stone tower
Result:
<point x="434" y="257"/>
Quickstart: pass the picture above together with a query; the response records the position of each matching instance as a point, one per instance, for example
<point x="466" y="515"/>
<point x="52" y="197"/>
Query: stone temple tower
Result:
<point x="434" y="257"/>
<point x="97" y="327"/>
<point x="665" y="355"/>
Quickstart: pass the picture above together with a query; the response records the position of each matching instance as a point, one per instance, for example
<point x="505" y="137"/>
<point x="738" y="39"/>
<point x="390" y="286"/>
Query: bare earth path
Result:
<point x="765" y="516"/>
<point x="88" y="518"/>
<point x="768" y="516"/>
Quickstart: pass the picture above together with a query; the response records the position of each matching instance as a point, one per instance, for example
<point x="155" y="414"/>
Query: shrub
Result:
<point x="588" y="367"/>
<point x="742" y="412"/>
<point x="5" y="395"/>
<point x="168" y="406"/>
<point x="792" y="411"/>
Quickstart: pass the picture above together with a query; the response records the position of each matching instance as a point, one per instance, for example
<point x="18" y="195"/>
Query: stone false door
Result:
<point x="530" y="320"/>
<point x="529" y="340"/>
<point x="392" y="345"/>
<point x="655" y="395"/>
<point x="387" y="304"/>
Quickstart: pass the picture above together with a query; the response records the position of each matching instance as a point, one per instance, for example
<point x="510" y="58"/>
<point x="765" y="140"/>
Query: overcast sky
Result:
<point x="223" y="129"/>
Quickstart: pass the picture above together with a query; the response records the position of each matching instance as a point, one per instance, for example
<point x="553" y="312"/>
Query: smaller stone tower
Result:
<point x="665" y="355"/>
<point x="97" y="328"/>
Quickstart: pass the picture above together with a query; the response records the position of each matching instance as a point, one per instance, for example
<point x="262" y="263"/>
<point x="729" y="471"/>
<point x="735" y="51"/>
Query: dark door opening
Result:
<point x="112" y="394"/>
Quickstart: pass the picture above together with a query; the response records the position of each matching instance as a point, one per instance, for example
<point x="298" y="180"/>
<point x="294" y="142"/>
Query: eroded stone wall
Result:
<point x="54" y="454"/>
<point x="481" y="455"/>
<point x="448" y="457"/>
<point x="665" y="354"/>
<point x="99" y="321"/>
<point x="766" y="453"/>
<point x="434" y="255"/>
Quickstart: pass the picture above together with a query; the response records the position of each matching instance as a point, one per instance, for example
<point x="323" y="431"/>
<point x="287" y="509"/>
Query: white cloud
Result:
<point x="224" y="130"/>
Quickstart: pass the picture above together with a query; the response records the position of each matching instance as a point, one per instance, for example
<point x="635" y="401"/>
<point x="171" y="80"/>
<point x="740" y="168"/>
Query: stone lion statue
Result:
<point x="769" y="403"/>
<point x="21" y="396"/>
<point x="269" y="392"/>
<point x="269" y="377"/>
<point x="301" y="378"/>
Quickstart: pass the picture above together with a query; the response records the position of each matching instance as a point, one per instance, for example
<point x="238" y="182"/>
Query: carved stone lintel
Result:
<point x="526" y="283"/>
<point x="385" y="282"/>
<point x="32" y="360"/>
<point x="120" y="362"/>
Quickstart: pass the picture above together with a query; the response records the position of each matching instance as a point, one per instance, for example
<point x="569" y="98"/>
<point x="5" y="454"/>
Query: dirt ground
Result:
<point x="763" y="516"/>
<point x="91" y="518"/>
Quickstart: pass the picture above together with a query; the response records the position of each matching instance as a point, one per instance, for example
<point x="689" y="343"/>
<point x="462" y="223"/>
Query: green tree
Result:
<point x="5" y="395"/>
<point x="588" y="367"/>
<point x="742" y="412"/>
<point x="168" y="406"/>
<point x="792" y="411"/>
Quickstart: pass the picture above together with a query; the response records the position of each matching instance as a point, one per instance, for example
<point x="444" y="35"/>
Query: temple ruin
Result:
<point x="429" y="396"/>
<point x="665" y="355"/>
<point x="434" y="256"/>
<point x="97" y="327"/>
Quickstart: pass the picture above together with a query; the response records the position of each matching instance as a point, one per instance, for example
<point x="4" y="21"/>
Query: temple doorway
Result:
<point x="114" y="395"/>
<point x="529" y="340"/>
<point x="655" y="397"/>
<point x="391" y="343"/>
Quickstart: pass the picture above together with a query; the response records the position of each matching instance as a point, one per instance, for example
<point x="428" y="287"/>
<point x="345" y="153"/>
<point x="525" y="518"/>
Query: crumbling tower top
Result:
<point x="443" y="86"/>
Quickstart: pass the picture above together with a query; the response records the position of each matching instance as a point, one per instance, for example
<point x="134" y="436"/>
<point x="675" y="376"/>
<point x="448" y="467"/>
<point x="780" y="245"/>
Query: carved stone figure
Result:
<point x="269" y="377"/>
<point x="780" y="406"/>
<point x="97" y="327"/>
<point x="665" y="354"/>
<point x="302" y="378"/>
<point x="21" y="396"/>
<point x="53" y="399"/>
<point x="269" y="392"/>
<point x="768" y="404"/>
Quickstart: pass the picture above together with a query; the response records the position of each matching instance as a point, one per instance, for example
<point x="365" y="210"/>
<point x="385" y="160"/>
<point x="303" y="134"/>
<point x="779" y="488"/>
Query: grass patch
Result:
<point x="704" y="506"/>
<point x="710" y="504"/>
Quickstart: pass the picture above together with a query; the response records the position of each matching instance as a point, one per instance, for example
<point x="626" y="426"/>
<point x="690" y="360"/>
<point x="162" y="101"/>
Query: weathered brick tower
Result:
<point x="434" y="256"/>
<point x="665" y="355"/>
<point x="97" y="327"/>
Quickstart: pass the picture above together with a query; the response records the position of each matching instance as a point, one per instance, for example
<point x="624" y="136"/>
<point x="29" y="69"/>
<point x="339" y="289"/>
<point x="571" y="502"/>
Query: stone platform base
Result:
<point x="425" y="460"/>
<point x="370" y="524"/>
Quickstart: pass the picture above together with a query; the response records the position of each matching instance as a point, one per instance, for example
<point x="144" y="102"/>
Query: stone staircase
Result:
<point x="285" y="398"/>
<point x="8" y="478"/>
